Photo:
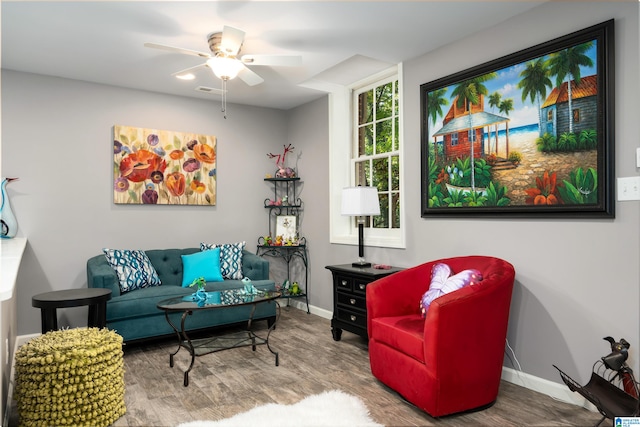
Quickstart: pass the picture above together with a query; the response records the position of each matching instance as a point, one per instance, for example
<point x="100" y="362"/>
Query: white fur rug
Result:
<point x="329" y="409"/>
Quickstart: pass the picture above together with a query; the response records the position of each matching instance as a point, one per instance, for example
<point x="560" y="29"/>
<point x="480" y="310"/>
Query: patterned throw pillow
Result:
<point x="230" y="258"/>
<point x="133" y="268"/>
<point x="442" y="282"/>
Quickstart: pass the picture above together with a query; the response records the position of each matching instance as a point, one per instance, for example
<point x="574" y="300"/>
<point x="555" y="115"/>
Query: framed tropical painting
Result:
<point x="529" y="134"/>
<point x="162" y="167"/>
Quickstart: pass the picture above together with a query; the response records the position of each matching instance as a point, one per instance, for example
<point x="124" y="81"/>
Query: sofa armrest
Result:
<point x="101" y="275"/>
<point x="254" y="267"/>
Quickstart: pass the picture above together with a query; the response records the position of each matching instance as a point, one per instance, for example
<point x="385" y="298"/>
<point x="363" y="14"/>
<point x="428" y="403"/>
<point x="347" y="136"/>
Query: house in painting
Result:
<point x="555" y="110"/>
<point x="460" y="128"/>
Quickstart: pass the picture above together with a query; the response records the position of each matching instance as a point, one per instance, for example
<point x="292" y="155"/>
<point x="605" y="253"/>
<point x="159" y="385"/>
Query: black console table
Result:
<point x="95" y="298"/>
<point x="350" y="297"/>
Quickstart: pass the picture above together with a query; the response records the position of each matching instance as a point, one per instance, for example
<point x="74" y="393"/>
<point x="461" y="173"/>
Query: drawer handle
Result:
<point x="344" y="283"/>
<point x="352" y="301"/>
<point x="353" y="318"/>
<point x="362" y="286"/>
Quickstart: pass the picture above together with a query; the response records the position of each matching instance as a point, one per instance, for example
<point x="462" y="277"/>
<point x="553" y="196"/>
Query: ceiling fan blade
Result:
<point x="273" y="60"/>
<point x="177" y="50"/>
<point x="249" y="77"/>
<point x="189" y="70"/>
<point x="232" y="39"/>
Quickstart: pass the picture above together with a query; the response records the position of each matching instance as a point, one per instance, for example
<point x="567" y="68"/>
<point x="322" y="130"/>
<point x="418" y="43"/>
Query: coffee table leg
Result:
<point x="49" y="319"/>
<point x="271" y="328"/>
<point x="192" y="350"/>
<point x="166" y="315"/>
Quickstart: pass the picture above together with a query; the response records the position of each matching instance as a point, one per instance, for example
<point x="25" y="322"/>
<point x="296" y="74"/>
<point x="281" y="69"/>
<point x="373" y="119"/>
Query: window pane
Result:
<point x="395" y="98"/>
<point x="365" y="140"/>
<point x="381" y="174"/>
<point x="384" y="101"/>
<point x="396" y="134"/>
<point x="384" y="137"/>
<point x="395" y="173"/>
<point x="363" y="173"/>
<point x="382" y="220"/>
<point x="365" y="107"/>
<point x="395" y="210"/>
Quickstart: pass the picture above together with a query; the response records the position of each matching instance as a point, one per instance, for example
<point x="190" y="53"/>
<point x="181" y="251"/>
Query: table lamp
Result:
<point x="361" y="202"/>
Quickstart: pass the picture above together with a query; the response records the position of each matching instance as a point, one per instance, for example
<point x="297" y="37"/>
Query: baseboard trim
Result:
<point x="552" y="389"/>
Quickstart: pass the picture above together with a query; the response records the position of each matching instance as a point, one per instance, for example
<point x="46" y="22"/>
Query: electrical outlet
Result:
<point x="629" y="188"/>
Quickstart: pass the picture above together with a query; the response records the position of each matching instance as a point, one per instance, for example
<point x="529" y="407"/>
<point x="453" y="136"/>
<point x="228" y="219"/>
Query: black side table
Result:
<point x="350" y="297"/>
<point x="95" y="298"/>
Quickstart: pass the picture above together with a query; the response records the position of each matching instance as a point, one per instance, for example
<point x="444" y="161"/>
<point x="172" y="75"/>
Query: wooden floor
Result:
<point x="229" y="382"/>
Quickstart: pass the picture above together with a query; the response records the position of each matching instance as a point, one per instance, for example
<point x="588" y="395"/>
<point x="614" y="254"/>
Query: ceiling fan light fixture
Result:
<point x="224" y="68"/>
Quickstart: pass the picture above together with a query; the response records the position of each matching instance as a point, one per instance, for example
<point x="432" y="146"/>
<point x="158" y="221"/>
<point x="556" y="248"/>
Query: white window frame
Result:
<point x="341" y="166"/>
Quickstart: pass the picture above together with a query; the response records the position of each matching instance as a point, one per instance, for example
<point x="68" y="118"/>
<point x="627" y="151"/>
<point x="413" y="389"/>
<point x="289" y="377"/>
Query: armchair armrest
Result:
<point x="101" y="275"/>
<point x="397" y="294"/>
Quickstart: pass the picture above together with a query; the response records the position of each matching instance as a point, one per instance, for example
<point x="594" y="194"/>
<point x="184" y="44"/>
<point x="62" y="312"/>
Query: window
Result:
<point x="576" y="115"/>
<point x="366" y="149"/>
<point x="376" y="159"/>
<point x="471" y="135"/>
<point x="454" y="139"/>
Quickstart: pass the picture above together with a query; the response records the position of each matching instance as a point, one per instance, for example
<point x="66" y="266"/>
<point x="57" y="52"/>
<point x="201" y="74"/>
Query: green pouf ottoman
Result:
<point x="70" y="377"/>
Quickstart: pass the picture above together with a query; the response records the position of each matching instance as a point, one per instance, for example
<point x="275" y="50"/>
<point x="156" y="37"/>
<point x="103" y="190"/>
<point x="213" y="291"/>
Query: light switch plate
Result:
<point x="629" y="188"/>
<point x="638" y="157"/>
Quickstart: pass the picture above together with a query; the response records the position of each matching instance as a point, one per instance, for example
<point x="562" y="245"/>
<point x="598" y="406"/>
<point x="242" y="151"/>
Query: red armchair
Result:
<point x="450" y="361"/>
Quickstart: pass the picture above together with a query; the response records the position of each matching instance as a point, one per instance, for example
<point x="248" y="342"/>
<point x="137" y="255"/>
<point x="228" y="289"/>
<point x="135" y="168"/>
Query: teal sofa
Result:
<point x="135" y="315"/>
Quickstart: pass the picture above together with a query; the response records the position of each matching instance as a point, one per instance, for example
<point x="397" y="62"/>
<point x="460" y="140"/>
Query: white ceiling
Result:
<point x="339" y="41"/>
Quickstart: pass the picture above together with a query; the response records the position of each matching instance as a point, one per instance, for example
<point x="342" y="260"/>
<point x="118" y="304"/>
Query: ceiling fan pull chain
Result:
<point x="224" y="97"/>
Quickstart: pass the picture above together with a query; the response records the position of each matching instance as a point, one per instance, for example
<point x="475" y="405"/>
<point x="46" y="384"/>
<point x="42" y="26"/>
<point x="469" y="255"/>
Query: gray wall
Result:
<point x="58" y="136"/>
<point x="577" y="280"/>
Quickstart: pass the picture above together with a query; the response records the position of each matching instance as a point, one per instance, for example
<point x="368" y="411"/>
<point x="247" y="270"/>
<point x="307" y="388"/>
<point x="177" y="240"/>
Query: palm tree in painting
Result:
<point x="435" y="102"/>
<point x="505" y="107"/>
<point x="468" y="93"/>
<point x="566" y="63"/>
<point x="534" y="83"/>
<point x="494" y="102"/>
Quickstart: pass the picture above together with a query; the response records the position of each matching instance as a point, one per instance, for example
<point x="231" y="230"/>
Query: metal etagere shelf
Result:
<point x="286" y="202"/>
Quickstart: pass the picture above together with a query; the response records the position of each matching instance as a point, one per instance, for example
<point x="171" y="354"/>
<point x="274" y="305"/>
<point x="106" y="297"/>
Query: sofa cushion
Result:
<point x="133" y="267"/>
<point x="403" y="333"/>
<point x="201" y="264"/>
<point x="230" y="258"/>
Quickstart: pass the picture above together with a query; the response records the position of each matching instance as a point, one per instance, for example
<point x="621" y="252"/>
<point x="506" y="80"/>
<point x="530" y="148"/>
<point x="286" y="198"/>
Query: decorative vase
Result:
<point x="8" y="220"/>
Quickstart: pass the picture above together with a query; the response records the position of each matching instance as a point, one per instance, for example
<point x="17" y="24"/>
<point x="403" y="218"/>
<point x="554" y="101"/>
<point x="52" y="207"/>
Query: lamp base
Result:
<point x="361" y="264"/>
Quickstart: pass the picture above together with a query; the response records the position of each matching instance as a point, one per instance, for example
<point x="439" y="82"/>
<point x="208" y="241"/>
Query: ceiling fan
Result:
<point x="224" y="61"/>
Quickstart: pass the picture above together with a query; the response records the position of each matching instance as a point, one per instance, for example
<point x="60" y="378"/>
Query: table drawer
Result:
<point x="344" y="283"/>
<point x="352" y="300"/>
<point x="360" y="286"/>
<point x="356" y="318"/>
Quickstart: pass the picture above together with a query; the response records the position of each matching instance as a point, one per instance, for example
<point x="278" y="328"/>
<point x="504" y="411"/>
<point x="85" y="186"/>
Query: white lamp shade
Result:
<point x="224" y="68"/>
<point x="360" y="201"/>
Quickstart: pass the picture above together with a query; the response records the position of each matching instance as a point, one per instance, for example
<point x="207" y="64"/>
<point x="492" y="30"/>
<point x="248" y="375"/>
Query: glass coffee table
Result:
<point x="219" y="300"/>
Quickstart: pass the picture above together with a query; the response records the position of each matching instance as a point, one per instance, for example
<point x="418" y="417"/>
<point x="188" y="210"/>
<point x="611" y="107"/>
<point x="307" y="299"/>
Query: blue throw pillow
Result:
<point x="201" y="264"/>
<point x="134" y="269"/>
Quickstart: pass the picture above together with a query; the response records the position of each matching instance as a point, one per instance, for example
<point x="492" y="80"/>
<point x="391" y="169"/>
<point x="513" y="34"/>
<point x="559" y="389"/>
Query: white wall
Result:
<point x="58" y="138"/>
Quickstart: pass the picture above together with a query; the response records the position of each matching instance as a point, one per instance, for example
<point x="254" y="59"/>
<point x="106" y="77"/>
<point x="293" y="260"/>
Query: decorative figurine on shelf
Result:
<point x="248" y="288"/>
<point x="283" y="171"/>
<point x="200" y="296"/>
<point x="267" y="240"/>
<point x="285" y="201"/>
<point x="295" y="288"/>
<point x="278" y="241"/>
<point x="7" y="218"/>
<point x="286" y="286"/>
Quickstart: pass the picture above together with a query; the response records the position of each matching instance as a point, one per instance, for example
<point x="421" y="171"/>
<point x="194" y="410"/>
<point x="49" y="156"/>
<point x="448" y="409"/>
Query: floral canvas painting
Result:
<point x="162" y="167"/>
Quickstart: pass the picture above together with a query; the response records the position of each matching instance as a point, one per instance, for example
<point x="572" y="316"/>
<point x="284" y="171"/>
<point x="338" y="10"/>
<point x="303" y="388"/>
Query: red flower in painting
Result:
<point x="176" y="183"/>
<point x="204" y="153"/>
<point x="139" y="166"/>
